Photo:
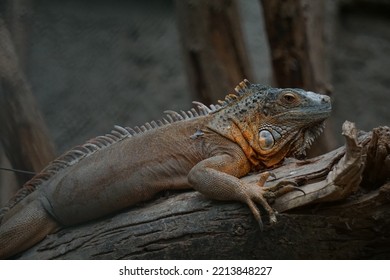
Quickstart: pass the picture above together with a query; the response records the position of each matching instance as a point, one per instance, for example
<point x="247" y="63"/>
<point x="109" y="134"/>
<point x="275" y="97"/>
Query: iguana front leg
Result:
<point x="217" y="178"/>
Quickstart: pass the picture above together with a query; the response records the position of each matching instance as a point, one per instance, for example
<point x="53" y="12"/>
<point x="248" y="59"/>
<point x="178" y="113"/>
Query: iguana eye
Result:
<point x="289" y="98"/>
<point x="266" y="140"/>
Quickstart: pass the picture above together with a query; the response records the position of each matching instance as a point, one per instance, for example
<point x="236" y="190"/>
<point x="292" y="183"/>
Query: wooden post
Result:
<point x="23" y="133"/>
<point x="295" y="30"/>
<point x="213" y="47"/>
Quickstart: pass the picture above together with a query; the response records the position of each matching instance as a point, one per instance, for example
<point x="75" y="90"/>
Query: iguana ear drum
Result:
<point x="266" y="139"/>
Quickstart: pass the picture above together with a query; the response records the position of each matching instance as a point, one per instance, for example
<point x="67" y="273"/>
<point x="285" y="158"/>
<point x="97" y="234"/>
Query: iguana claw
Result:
<point x="280" y="188"/>
<point x="270" y="193"/>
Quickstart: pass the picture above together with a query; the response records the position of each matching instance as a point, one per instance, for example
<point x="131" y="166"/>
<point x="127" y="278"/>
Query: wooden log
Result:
<point x="337" y="218"/>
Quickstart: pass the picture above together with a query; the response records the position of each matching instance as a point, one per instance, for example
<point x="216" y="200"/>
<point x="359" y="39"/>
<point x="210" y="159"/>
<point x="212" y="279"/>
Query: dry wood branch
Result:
<point x="355" y="224"/>
<point x="342" y="180"/>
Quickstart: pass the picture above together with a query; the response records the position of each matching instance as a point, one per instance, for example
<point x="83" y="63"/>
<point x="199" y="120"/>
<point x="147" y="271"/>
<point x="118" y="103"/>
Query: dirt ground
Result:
<point x="92" y="64"/>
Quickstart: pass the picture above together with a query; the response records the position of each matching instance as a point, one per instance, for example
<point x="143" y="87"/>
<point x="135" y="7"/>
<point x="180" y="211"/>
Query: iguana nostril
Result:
<point x="325" y="99"/>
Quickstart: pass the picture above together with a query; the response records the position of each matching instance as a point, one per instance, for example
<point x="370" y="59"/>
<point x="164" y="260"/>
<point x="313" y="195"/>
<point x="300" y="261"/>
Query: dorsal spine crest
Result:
<point x="119" y="133"/>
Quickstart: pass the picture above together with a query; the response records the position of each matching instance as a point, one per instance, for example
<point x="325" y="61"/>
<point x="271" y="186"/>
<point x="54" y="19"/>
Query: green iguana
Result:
<point x="207" y="149"/>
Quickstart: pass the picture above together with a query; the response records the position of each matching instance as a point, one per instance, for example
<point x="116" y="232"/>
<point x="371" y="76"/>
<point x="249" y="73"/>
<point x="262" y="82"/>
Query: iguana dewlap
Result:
<point x="207" y="149"/>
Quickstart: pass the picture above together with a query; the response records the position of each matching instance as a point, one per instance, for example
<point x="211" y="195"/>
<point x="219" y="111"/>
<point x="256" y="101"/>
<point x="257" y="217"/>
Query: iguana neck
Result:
<point x="233" y="129"/>
<point x="241" y="133"/>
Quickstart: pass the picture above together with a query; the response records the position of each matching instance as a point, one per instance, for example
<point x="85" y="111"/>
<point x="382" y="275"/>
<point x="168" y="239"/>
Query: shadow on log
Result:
<point x="344" y="214"/>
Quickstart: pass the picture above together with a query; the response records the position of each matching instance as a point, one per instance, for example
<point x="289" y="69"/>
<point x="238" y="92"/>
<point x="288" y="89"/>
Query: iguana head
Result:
<point x="272" y="123"/>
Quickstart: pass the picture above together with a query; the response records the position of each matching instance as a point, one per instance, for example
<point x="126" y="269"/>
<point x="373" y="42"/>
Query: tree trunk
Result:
<point x="340" y="216"/>
<point x="213" y="47"/>
<point x="24" y="135"/>
<point x="295" y="30"/>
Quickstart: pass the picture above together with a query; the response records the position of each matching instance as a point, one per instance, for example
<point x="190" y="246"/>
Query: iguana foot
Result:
<point x="268" y="194"/>
<point x="279" y="189"/>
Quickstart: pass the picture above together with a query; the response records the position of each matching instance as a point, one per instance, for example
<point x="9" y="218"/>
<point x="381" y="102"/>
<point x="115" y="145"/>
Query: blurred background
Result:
<point x="88" y="65"/>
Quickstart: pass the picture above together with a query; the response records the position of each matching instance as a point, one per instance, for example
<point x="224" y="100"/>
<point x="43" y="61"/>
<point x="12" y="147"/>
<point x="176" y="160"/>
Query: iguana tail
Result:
<point x="29" y="225"/>
<point x="22" y="193"/>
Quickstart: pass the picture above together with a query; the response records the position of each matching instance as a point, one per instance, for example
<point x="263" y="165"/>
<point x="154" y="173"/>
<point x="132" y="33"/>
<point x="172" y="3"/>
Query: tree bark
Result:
<point x="295" y="30"/>
<point x="24" y="135"/>
<point x="213" y="47"/>
<point x="340" y="216"/>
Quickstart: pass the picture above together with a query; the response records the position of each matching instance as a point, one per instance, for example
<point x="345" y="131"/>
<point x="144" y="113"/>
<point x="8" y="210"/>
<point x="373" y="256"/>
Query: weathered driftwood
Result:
<point x="344" y="213"/>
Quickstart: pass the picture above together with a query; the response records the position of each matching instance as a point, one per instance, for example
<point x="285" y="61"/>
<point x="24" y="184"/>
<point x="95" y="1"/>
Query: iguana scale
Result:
<point x="207" y="149"/>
